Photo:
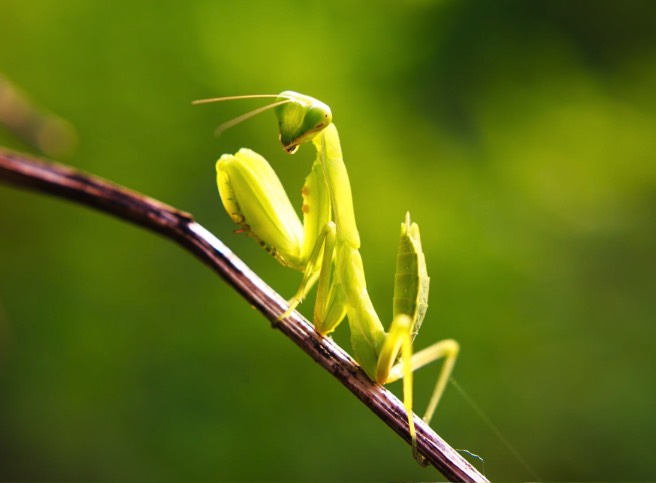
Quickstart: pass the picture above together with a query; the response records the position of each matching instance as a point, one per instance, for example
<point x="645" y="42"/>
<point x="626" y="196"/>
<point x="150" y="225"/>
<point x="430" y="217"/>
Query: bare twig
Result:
<point x="20" y="170"/>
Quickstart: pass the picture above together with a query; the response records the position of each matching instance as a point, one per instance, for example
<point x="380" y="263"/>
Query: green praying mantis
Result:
<point x="326" y="247"/>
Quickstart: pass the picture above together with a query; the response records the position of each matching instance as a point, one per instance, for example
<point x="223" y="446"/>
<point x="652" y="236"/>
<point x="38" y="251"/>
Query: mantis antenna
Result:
<point x="233" y="122"/>
<point x="235" y="98"/>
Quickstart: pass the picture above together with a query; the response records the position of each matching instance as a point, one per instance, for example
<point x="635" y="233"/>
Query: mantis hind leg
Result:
<point x="445" y="349"/>
<point x="399" y="342"/>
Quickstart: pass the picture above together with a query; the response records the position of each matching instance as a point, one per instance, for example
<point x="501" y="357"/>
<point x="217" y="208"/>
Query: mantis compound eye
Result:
<point x="317" y="118"/>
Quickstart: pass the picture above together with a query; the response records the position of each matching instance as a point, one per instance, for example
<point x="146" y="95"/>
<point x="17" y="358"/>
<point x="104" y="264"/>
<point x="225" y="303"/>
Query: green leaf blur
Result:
<point x="520" y="135"/>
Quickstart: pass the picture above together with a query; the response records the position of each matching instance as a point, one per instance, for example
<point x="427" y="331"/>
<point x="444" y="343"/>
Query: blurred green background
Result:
<point x="520" y="135"/>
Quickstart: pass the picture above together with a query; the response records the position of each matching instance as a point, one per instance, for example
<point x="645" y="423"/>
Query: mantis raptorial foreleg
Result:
<point x="325" y="247"/>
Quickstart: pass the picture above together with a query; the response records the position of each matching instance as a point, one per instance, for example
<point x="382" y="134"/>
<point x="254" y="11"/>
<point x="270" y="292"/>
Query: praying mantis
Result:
<point x="325" y="247"/>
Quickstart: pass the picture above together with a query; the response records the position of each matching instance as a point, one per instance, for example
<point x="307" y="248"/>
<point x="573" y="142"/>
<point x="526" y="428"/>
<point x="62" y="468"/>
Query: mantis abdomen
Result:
<point x="411" y="280"/>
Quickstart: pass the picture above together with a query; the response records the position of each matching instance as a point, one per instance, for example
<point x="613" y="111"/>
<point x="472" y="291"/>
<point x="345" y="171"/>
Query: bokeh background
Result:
<point x="520" y="135"/>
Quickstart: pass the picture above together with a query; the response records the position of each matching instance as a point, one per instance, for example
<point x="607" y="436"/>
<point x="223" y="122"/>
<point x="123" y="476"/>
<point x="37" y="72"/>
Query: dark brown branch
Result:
<point x="25" y="172"/>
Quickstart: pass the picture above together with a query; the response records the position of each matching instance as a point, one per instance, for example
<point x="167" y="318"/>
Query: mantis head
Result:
<point x="300" y="117"/>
